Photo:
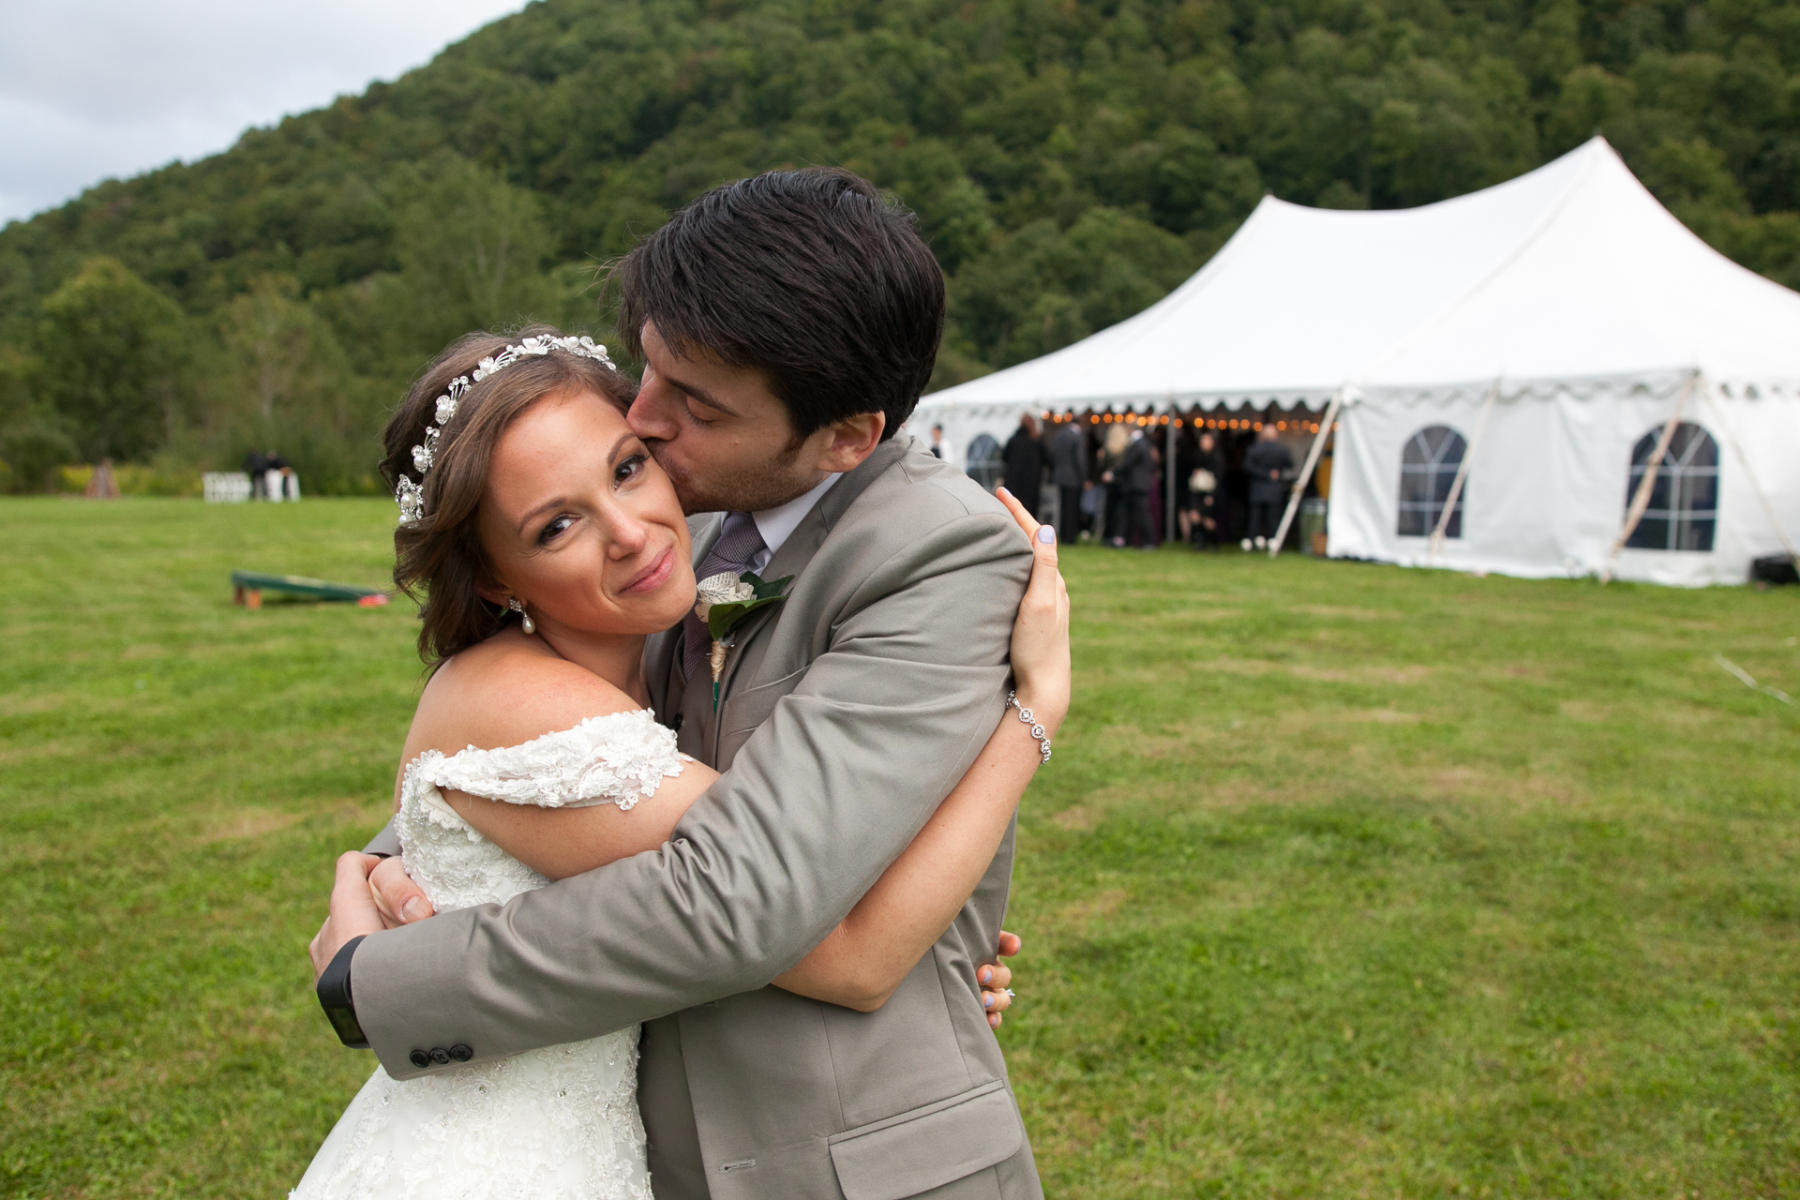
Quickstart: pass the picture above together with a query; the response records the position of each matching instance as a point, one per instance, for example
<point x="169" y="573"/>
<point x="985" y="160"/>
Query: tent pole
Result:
<point x="1640" y="500"/>
<point x="1312" y="461"/>
<point x="1462" y="473"/>
<point x="1762" y="497"/>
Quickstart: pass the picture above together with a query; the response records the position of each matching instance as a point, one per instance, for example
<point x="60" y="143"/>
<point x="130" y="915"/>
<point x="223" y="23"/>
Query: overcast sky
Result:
<point x="98" y="89"/>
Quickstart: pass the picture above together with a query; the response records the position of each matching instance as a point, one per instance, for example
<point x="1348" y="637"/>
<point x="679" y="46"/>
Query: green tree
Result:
<point x="111" y="349"/>
<point x="471" y="249"/>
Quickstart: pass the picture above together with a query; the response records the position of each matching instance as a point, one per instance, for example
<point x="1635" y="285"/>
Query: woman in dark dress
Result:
<point x="1200" y="471"/>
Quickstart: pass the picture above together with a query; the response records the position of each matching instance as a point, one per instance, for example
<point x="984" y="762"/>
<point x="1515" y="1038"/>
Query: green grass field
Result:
<point x="1344" y="881"/>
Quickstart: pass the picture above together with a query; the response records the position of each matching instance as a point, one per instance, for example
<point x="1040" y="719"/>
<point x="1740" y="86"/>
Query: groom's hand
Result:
<point x="399" y="900"/>
<point x="353" y="911"/>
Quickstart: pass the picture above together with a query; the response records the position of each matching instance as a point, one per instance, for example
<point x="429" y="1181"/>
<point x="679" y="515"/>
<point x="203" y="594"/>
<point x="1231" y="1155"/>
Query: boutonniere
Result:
<point x="723" y="601"/>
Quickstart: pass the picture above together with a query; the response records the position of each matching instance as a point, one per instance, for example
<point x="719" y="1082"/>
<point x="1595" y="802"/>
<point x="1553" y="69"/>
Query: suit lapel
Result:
<point x="664" y="652"/>
<point x="804" y="543"/>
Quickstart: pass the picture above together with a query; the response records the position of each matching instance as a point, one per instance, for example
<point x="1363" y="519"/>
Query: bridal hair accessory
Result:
<point x="722" y="602"/>
<point x="1037" y="731"/>
<point x="526" y="624"/>
<point x="410" y="495"/>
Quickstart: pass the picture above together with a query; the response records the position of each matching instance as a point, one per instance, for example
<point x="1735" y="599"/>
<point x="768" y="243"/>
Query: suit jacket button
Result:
<point x="461" y="1053"/>
<point x="419" y="1059"/>
<point x="439" y="1055"/>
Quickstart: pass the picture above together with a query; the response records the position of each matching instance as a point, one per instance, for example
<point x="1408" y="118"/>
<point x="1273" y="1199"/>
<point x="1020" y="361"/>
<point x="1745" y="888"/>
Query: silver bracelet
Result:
<point x="1037" y="731"/>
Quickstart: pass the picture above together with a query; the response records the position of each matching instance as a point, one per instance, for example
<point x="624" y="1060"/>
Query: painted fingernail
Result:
<point x="987" y="1001"/>
<point x="1046" y="534"/>
<point x="987" y="974"/>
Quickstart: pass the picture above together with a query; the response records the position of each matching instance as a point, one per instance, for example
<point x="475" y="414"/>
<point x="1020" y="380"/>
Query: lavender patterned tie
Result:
<point x="739" y="543"/>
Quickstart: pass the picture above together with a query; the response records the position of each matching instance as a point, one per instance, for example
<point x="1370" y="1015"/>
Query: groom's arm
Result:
<point x="828" y="791"/>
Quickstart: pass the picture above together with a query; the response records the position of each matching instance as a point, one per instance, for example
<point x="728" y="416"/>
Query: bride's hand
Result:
<point x="1040" y="639"/>
<point x="996" y="979"/>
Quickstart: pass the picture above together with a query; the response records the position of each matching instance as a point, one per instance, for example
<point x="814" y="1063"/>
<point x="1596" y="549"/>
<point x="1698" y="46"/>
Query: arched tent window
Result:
<point x="1684" y="500"/>
<point x="1428" y="467"/>
<point x="983" y="461"/>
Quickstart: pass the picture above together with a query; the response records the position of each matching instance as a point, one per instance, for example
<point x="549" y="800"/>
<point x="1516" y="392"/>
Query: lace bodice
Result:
<point x="559" y="1123"/>
<point x="618" y="759"/>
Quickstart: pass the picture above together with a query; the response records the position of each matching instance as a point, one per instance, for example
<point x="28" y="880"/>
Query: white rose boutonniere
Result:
<point x="722" y="602"/>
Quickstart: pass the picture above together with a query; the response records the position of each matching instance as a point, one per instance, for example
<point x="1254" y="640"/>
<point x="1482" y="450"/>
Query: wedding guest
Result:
<point x="1107" y="465"/>
<point x="1067" y="449"/>
<point x="1202" y="471"/>
<point x="256" y="466"/>
<point x="1022" y="469"/>
<point x="1139" y="471"/>
<point x="1270" y="468"/>
<point x="942" y="447"/>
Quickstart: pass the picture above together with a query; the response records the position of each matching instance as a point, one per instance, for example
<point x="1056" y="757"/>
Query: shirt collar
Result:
<point x="777" y="524"/>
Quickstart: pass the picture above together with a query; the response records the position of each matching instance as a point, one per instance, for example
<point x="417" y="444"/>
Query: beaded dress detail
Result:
<point x="560" y="1123"/>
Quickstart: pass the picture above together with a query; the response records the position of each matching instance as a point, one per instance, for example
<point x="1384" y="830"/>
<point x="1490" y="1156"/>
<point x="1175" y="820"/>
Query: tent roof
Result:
<point x="1572" y="271"/>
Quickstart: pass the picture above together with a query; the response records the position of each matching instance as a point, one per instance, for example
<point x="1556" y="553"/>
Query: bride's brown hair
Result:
<point x="438" y="559"/>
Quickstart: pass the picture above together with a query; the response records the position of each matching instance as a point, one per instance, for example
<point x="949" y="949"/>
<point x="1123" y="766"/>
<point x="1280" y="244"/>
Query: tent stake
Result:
<point x="1462" y="473"/>
<point x="1312" y="461"/>
<point x="1640" y="500"/>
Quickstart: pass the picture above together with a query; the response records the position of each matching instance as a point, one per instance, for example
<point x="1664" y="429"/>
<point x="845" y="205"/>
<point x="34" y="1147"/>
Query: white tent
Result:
<point x="1510" y="371"/>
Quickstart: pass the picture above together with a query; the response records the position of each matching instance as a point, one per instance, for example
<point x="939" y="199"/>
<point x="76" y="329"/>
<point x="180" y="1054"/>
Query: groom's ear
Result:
<point x="843" y="444"/>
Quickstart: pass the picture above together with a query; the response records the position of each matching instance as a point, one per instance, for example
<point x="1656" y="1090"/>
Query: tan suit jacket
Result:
<point x="848" y="711"/>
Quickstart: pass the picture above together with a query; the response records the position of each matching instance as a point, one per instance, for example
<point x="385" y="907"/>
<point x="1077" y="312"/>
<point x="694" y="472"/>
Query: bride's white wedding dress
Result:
<point x="552" y="1123"/>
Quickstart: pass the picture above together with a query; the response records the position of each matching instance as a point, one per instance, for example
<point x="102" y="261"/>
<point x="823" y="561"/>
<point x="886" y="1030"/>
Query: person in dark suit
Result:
<point x="1137" y="472"/>
<point x="1022" y="464"/>
<point x="256" y="466"/>
<point x="1067" y="449"/>
<point x="1270" y="468"/>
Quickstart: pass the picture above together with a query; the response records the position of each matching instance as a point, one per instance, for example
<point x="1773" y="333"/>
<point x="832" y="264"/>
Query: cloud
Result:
<point x="95" y="89"/>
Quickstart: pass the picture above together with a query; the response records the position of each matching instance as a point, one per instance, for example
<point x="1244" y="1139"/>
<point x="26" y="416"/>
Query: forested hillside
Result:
<point x="1070" y="162"/>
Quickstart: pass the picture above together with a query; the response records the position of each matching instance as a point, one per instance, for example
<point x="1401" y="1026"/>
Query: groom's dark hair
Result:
<point x="811" y="277"/>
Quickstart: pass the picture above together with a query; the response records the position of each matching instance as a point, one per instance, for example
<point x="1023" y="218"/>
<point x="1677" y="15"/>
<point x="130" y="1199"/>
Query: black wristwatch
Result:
<point x="334" y="996"/>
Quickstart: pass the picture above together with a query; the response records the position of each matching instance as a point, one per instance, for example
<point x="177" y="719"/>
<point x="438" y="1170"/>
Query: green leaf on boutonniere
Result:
<point x="721" y="619"/>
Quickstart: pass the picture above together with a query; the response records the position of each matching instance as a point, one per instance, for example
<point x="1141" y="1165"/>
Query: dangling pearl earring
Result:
<point x="525" y="621"/>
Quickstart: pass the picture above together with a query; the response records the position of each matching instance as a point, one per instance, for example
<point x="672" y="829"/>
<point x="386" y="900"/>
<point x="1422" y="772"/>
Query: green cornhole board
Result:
<point x="247" y="588"/>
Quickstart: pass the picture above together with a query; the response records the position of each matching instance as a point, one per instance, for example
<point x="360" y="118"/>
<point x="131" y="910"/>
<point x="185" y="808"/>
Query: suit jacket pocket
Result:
<point x="929" y="1146"/>
<point x="744" y="712"/>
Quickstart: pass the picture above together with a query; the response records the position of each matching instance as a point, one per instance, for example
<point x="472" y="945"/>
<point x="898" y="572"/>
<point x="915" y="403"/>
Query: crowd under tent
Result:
<point x="1548" y="377"/>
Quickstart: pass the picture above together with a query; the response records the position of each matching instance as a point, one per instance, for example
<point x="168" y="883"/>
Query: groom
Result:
<point x="788" y="324"/>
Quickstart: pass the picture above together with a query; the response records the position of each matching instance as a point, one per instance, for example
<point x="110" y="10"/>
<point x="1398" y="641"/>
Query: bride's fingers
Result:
<point x="1026" y="521"/>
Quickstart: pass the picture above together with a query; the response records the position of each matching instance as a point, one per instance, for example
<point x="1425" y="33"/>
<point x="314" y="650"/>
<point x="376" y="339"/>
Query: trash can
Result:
<point x="1312" y="527"/>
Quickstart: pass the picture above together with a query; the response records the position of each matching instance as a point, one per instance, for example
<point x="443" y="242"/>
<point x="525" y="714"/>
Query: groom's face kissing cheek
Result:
<point x="724" y="438"/>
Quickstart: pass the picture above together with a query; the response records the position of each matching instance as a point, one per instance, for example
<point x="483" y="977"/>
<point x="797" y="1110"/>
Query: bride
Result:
<point x="546" y="544"/>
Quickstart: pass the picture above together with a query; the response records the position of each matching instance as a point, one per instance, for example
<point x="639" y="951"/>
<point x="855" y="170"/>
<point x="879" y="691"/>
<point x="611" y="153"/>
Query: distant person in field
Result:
<point x="280" y="482"/>
<point x="1067" y="451"/>
<point x="1109" y="475"/>
<point x="1271" y="470"/>
<point x="942" y="448"/>
<point x="1022" y="464"/>
<point x="256" y="466"/>
<point x="1132" y="472"/>
<point x="740" y="917"/>
<point x="1204" y="470"/>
